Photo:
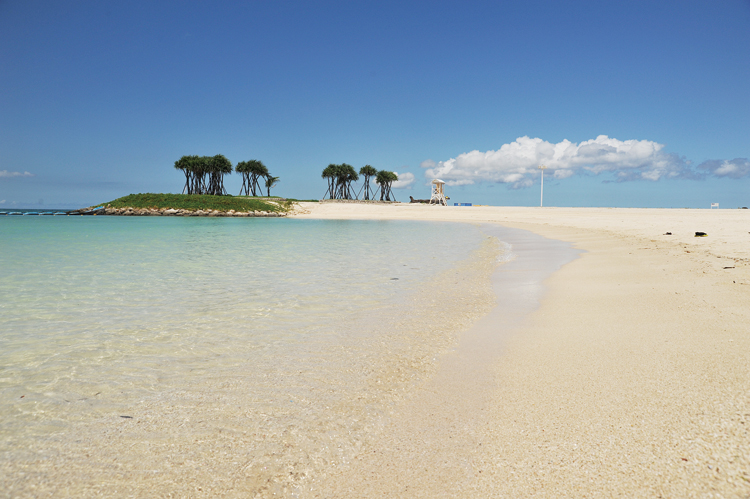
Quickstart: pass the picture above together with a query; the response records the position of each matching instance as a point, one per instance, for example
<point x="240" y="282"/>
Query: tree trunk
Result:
<point x="256" y="186"/>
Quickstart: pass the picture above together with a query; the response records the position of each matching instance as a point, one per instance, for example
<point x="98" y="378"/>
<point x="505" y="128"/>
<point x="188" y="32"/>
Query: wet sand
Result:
<point x="629" y="380"/>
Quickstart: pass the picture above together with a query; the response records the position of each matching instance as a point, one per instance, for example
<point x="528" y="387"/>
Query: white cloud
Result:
<point x="2" y="202"/>
<point x="7" y="174"/>
<point x="736" y="168"/>
<point x="517" y="163"/>
<point x="404" y="180"/>
<point x="560" y="174"/>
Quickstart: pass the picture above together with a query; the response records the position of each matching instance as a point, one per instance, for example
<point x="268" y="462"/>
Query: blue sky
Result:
<point x="629" y="103"/>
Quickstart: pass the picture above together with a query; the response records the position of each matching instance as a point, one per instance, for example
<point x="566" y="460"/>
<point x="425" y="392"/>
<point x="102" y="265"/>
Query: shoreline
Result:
<point x="730" y="238"/>
<point x="630" y="378"/>
<point x="171" y="212"/>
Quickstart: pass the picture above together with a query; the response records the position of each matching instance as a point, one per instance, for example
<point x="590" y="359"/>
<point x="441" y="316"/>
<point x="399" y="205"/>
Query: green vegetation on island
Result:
<point x="204" y="190"/>
<point x="204" y="202"/>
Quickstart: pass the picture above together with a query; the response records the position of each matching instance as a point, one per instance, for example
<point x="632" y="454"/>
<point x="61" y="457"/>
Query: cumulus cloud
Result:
<point x="517" y="163"/>
<point x="404" y="180"/>
<point x="7" y="174"/>
<point x="735" y="168"/>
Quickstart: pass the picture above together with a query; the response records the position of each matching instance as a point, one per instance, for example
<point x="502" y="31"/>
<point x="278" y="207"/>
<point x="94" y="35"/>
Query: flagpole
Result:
<point x="541" y="197"/>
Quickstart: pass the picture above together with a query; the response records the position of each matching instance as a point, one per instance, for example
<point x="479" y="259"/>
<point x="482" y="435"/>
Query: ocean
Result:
<point x="232" y="355"/>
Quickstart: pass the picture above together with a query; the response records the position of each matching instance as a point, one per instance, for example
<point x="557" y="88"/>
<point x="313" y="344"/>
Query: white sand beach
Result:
<point x="629" y="380"/>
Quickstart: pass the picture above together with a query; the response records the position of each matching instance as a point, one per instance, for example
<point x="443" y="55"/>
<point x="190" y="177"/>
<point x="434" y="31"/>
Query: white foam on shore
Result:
<point x="506" y="254"/>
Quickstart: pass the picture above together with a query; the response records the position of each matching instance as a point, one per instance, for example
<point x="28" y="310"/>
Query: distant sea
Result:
<point x="203" y="322"/>
<point x="32" y="211"/>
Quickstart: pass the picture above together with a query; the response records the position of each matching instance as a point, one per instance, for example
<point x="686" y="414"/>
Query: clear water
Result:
<point x="104" y="317"/>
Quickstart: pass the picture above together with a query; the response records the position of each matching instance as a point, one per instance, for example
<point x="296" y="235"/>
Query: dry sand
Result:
<point x="631" y="379"/>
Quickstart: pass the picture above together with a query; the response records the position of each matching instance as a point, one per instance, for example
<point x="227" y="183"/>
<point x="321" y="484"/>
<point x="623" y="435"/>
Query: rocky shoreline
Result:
<point x="171" y="212"/>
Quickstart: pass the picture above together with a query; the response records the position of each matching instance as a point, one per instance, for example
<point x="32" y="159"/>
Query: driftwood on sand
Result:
<point x="423" y="201"/>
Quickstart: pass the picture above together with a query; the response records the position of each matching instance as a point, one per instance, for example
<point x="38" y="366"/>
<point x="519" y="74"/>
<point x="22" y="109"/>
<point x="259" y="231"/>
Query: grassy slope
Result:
<point x="196" y="202"/>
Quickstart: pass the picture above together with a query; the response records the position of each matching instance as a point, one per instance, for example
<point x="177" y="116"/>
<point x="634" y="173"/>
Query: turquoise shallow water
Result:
<point x="101" y="314"/>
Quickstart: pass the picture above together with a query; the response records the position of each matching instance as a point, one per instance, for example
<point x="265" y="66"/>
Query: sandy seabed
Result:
<point x="630" y="379"/>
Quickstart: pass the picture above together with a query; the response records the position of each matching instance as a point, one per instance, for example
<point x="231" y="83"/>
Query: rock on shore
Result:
<point x="171" y="212"/>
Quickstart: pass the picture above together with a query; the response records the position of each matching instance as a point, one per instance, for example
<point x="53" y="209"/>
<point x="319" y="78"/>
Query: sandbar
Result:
<point x="628" y="379"/>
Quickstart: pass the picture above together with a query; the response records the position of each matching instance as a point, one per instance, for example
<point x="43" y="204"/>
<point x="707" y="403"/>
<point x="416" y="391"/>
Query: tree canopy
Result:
<point x="340" y="178"/>
<point x="385" y="179"/>
<point x="204" y="174"/>
<point x="270" y="182"/>
<point x="367" y="171"/>
<point x="252" y="171"/>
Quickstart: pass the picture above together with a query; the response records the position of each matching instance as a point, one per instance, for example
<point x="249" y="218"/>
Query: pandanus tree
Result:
<point x="346" y="175"/>
<point x="219" y="166"/>
<point x="270" y="182"/>
<point x="385" y="180"/>
<point x="196" y="168"/>
<point x="367" y="171"/>
<point x="204" y="174"/>
<point x="252" y="172"/>
<point x="257" y="171"/>
<point x="242" y="169"/>
<point x="184" y="165"/>
<point x="199" y="167"/>
<point x="340" y="178"/>
<point x="329" y="173"/>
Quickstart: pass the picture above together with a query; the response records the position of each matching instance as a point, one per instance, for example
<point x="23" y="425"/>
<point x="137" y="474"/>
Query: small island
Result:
<point x="194" y="205"/>
<point x="204" y="193"/>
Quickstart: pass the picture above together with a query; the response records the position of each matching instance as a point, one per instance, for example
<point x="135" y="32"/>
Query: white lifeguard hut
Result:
<point x="438" y="193"/>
